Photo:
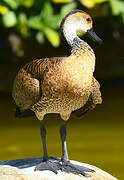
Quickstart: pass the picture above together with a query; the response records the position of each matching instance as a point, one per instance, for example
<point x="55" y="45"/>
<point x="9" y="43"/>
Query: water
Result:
<point x="97" y="138"/>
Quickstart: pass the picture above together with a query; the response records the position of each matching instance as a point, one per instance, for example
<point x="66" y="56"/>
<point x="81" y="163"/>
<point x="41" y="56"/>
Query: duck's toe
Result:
<point x="75" y="169"/>
<point x="48" y="165"/>
<point x="64" y="166"/>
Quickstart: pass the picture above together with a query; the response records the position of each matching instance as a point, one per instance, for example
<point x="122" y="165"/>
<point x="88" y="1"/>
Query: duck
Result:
<point x="61" y="85"/>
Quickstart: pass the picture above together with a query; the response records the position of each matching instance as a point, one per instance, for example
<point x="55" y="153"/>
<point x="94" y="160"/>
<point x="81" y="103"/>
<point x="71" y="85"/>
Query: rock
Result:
<point x="23" y="169"/>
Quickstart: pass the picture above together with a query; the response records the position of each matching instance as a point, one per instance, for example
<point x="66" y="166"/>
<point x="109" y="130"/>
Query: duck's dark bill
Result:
<point x="93" y="36"/>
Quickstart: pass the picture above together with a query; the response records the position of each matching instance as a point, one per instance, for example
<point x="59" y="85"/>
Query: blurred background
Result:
<point x="29" y="29"/>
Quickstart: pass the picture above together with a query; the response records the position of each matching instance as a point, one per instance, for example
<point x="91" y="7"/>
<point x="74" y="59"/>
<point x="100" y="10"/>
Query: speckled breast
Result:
<point x="68" y="85"/>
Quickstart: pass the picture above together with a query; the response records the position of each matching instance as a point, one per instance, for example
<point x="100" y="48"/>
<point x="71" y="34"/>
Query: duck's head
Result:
<point x="78" y="21"/>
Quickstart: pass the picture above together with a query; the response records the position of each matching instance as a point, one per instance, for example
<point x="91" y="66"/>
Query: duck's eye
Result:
<point x="88" y="19"/>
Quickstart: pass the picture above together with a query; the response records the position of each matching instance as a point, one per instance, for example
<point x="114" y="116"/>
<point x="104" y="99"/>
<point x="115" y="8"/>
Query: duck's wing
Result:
<point x="27" y="88"/>
<point x="94" y="99"/>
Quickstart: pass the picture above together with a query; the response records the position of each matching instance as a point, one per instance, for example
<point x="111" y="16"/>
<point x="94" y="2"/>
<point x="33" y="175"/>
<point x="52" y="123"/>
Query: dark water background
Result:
<point x="97" y="138"/>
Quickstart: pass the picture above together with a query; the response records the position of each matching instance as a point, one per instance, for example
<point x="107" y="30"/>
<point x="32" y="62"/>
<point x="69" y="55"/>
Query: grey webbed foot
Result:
<point x="64" y="166"/>
<point x="48" y="165"/>
<point x="76" y="169"/>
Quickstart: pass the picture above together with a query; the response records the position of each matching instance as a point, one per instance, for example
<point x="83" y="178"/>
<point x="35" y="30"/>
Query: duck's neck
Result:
<point x="78" y="43"/>
<point x="73" y="40"/>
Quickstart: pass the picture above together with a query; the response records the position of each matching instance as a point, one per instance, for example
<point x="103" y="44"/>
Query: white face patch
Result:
<point x="84" y="27"/>
<point x="71" y="27"/>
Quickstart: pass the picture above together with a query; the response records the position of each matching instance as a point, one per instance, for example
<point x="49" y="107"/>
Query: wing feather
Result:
<point x="27" y="88"/>
<point x="94" y="99"/>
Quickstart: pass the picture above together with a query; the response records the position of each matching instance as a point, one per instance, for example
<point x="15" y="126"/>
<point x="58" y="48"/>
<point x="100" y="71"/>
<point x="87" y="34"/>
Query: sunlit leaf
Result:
<point x="12" y="3"/>
<point x="53" y="21"/>
<point x="27" y="3"/>
<point x="79" y="33"/>
<point x="47" y="10"/>
<point x="47" y="15"/>
<point x="117" y="7"/>
<point x="22" y="18"/>
<point x="22" y="23"/>
<point x="3" y="9"/>
<point x="40" y="37"/>
<point x="62" y="1"/>
<point x="67" y="8"/>
<point x="9" y="19"/>
<point x="56" y="19"/>
<point x="91" y="3"/>
<point x="35" y="23"/>
<point x="52" y="36"/>
<point x="49" y="18"/>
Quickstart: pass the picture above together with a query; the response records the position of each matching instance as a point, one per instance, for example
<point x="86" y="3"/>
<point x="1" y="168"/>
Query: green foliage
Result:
<point x="9" y="19"/>
<point x="41" y="18"/>
<point x="27" y="3"/>
<point x="40" y="37"/>
<point x="117" y="8"/>
<point x="12" y="3"/>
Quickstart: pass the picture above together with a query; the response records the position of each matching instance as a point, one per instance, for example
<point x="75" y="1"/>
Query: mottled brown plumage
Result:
<point x="61" y="84"/>
<point x="57" y="85"/>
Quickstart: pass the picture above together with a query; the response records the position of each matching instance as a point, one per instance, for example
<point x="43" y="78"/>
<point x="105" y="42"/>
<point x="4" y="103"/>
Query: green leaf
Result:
<point x="61" y="1"/>
<point x="27" y="3"/>
<point x="52" y="36"/>
<point x="22" y="18"/>
<point x="79" y="33"/>
<point x="67" y="8"/>
<point x="47" y="10"/>
<point x="22" y="24"/>
<point x="35" y="22"/>
<point x="3" y="9"/>
<point x="12" y="3"/>
<point x="117" y="7"/>
<point x="47" y="14"/>
<point x="53" y="21"/>
<point x="40" y="37"/>
<point x="91" y="3"/>
<point x="9" y="19"/>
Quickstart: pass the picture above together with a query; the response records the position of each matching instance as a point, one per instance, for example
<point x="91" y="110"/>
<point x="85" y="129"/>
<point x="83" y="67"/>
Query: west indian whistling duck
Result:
<point x="61" y="85"/>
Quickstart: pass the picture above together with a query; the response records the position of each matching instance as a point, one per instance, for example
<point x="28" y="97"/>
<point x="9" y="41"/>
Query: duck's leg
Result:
<point x="67" y="166"/>
<point x="63" y="139"/>
<point x="46" y="164"/>
<point x="43" y="136"/>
